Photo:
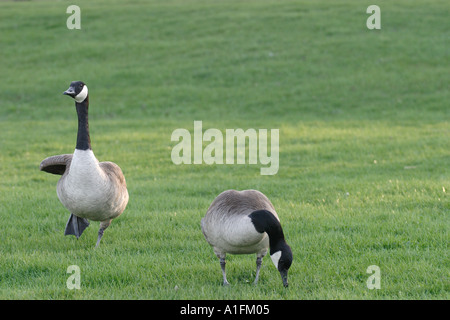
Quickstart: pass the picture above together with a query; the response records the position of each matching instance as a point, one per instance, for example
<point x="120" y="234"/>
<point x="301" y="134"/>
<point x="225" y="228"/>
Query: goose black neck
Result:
<point x="83" y="139"/>
<point x="265" y="221"/>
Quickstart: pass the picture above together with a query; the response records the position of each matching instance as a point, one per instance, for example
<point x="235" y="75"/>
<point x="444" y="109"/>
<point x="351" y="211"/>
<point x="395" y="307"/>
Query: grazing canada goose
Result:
<point x="89" y="189"/>
<point x="243" y="222"/>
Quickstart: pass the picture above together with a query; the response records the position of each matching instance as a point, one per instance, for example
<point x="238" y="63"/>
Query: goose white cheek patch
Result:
<point x="82" y="95"/>
<point x="276" y="258"/>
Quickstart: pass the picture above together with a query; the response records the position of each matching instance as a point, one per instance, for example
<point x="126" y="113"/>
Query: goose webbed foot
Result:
<point x="76" y="225"/>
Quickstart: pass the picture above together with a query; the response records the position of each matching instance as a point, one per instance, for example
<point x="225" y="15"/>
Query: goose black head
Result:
<point x="280" y="252"/>
<point x="282" y="259"/>
<point x="78" y="91"/>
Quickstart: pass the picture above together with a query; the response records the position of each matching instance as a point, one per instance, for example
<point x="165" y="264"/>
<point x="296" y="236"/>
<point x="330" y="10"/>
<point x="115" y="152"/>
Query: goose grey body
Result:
<point x="89" y="189"/>
<point x="245" y="222"/>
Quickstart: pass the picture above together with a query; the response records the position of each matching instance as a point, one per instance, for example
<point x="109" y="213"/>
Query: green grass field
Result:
<point x="364" y="124"/>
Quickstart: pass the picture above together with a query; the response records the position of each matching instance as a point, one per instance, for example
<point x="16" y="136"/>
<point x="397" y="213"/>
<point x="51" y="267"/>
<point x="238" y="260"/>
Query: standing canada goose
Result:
<point x="89" y="189"/>
<point x="244" y="222"/>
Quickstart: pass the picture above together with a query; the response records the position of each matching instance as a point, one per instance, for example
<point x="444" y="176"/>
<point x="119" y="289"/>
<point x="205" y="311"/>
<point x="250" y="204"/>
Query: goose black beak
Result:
<point x="284" y="276"/>
<point x="70" y="92"/>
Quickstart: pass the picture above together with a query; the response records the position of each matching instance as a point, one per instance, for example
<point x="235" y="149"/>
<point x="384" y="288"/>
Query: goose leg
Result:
<point x="100" y="235"/>
<point x="76" y="225"/>
<point x="258" y="267"/>
<point x="103" y="225"/>
<point x="222" y="265"/>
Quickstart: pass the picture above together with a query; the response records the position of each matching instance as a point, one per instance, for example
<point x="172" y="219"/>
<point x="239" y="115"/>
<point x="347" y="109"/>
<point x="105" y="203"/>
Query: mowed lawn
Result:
<point x="364" y="126"/>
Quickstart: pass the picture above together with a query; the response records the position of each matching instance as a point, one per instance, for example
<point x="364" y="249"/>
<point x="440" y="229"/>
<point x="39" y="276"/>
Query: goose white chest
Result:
<point x="236" y="235"/>
<point x="84" y="189"/>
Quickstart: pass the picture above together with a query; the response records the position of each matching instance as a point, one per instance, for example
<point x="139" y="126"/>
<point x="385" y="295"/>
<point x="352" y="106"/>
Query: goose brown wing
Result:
<point x="114" y="172"/>
<point x="56" y="164"/>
